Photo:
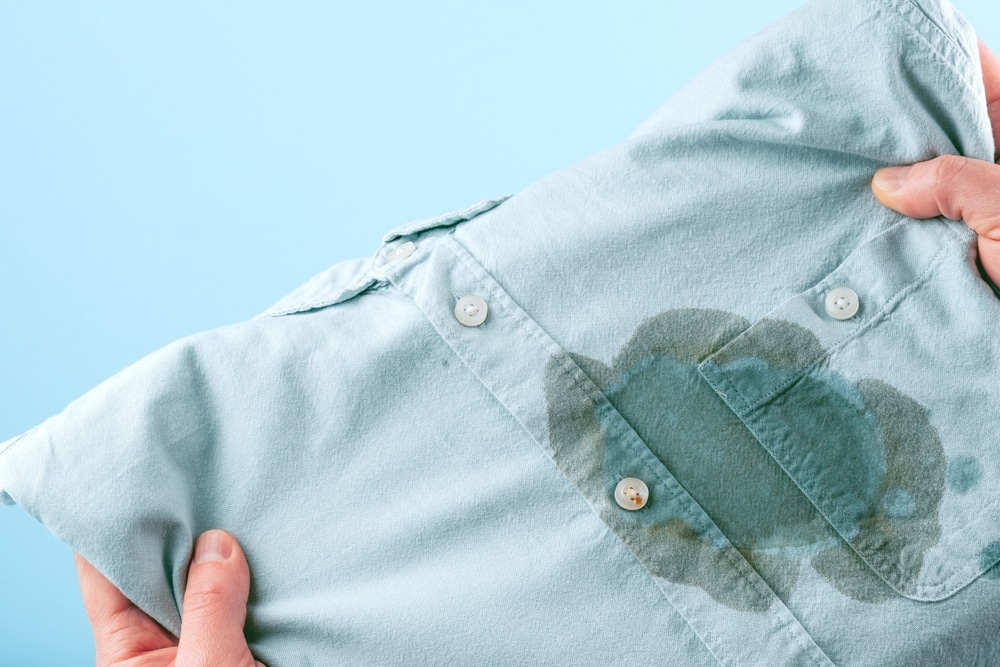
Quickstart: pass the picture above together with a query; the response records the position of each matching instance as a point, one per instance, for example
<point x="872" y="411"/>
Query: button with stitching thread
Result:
<point x="632" y="493"/>
<point x="842" y="303"/>
<point x="471" y="310"/>
<point x="400" y="252"/>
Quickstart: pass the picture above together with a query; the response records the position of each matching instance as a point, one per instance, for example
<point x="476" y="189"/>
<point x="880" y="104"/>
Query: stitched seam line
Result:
<point x="886" y="308"/>
<point x="945" y="47"/>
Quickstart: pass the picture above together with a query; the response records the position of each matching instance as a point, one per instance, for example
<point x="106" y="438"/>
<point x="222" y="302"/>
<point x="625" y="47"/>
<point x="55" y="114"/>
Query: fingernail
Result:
<point x="891" y="179"/>
<point x="212" y="546"/>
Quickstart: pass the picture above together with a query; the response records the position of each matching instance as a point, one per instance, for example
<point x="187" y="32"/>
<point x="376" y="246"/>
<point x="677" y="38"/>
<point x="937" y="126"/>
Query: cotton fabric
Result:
<point x="412" y="491"/>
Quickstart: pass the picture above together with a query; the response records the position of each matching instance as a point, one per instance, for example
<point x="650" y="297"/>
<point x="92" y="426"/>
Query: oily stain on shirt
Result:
<point x="878" y="439"/>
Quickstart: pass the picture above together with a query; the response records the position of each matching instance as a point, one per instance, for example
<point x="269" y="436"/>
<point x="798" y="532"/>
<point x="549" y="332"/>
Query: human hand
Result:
<point x="956" y="187"/>
<point x="214" y="613"/>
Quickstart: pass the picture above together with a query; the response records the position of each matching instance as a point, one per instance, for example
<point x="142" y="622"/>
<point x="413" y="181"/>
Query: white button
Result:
<point x="471" y="310"/>
<point x="632" y="493"/>
<point x="400" y="252"/>
<point x="842" y="303"/>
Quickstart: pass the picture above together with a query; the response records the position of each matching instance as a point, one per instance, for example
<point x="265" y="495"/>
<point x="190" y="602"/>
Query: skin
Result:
<point x="956" y="187"/>
<point x="219" y="582"/>
<point x="215" y="607"/>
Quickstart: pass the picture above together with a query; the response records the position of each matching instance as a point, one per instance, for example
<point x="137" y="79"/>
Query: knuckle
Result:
<point x="946" y="168"/>
<point x="207" y="596"/>
<point x="946" y="175"/>
<point x="112" y="639"/>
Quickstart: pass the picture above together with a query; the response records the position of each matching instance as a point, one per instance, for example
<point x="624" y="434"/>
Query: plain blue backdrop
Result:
<point x="173" y="167"/>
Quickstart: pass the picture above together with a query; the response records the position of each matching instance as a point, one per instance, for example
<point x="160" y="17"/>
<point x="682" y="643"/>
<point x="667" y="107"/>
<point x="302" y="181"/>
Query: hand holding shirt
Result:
<point x="955" y="187"/>
<point x="215" y="610"/>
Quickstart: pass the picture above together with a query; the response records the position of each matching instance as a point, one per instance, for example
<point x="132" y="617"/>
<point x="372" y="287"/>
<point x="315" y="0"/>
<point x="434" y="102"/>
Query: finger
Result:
<point x="215" y="604"/>
<point x="122" y="631"/>
<point x="991" y="81"/>
<point x="955" y="187"/>
<point x="101" y="599"/>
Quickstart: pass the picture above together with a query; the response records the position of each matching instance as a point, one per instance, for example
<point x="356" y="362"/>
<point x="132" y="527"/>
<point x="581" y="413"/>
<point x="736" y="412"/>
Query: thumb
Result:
<point x="956" y="187"/>
<point x="215" y="605"/>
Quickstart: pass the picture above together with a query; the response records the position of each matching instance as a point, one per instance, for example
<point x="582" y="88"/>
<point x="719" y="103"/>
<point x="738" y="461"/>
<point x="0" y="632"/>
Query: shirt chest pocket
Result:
<point x="875" y="391"/>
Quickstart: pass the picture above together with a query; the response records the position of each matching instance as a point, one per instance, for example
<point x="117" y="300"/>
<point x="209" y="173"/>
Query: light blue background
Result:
<point x="173" y="168"/>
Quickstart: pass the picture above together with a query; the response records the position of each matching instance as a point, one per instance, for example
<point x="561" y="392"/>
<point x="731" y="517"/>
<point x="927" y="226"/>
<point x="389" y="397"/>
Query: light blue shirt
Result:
<point x="422" y="453"/>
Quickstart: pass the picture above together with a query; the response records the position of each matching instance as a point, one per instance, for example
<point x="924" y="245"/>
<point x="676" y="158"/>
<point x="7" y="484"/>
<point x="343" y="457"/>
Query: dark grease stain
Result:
<point x="873" y="445"/>
<point x="964" y="473"/>
<point x="988" y="558"/>
<point x="915" y="471"/>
